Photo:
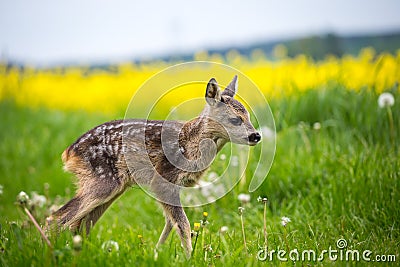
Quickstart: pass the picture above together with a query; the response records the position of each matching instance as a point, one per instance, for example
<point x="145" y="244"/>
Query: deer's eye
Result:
<point x="236" y="121"/>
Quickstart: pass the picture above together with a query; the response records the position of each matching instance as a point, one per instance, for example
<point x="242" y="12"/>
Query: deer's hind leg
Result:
<point x="91" y="201"/>
<point x="93" y="216"/>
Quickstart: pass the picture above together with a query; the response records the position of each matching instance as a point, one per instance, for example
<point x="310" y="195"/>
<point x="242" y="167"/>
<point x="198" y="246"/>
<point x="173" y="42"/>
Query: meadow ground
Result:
<point x="335" y="175"/>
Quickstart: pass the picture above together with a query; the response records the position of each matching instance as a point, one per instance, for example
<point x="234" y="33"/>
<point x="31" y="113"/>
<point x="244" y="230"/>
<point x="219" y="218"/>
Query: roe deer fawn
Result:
<point x="112" y="157"/>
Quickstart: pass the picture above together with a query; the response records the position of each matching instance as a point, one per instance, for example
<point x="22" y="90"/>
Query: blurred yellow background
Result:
<point x="95" y="90"/>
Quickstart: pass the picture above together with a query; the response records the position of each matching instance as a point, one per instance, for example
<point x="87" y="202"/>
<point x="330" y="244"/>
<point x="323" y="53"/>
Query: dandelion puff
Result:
<point x="1" y="189"/>
<point x="317" y="126"/>
<point x="38" y="200"/>
<point x="205" y="188"/>
<point x="23" y="200"/>
<point x="244" y="198"/>
<point x="212" y="176"/>
<point x="219" y="189"/>
<point x="385" y="100"/>
<point x="77" y="242"/>
<point x="222" y="157"/>
<point x="223" y="229"/>
<point x="53" y="208"/>
<point x="234" y="161"/>
<point x="22" y="197"/>
<point x="285" y="220"/>
<point x="110" y="246"/>
<point x="267" y="133"/>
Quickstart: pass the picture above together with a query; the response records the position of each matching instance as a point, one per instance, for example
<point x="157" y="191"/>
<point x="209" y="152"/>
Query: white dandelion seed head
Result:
<point x="77" y="242"/>
<point x="205" y="188"/>
<point x="209" y="190"/>
<point x="212" y="176"/>
<point x="222" y="157"/>
<point x="385" y="100"/>
<point x="317" y="126"/>
<point x="267" y="133"/>
<point x="77" y="239"/>
<point x="38" y="200"/>
<point x="1" y="189"/>
<point x="219" y="189"/>
<point x="22" y="197"/>
<point x="110" y="246"/>
<point x="285" y="220"/>
<point x="234" y="161"/>
<point x="244" y="198"/>
<point x="53" y="208"/>
<point x="223" y="229"/>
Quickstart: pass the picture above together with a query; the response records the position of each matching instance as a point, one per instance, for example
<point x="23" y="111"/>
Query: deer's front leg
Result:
<point x="176" y="215"/>
<point x="173" y="212"/>
<point x="167" y="229"/>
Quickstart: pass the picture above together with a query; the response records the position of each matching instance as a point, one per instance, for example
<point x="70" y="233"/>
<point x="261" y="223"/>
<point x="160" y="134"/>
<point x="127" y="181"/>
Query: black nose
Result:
<point x="254" y="137"/>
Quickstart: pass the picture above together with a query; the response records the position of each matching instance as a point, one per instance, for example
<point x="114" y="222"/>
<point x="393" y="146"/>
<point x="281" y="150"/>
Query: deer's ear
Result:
<point x="213" y="94"/>
<point x="231" y="89"/>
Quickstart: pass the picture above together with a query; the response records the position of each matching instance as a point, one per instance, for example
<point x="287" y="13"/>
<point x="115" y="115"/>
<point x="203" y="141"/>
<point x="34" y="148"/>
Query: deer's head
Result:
<point x="227" y="118"/>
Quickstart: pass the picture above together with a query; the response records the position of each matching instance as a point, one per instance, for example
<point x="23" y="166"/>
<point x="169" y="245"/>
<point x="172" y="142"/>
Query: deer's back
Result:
<point x="122" y="150"/>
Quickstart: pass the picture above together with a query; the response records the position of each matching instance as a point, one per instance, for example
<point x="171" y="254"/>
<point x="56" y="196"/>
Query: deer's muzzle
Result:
<point x="254" y="138"/>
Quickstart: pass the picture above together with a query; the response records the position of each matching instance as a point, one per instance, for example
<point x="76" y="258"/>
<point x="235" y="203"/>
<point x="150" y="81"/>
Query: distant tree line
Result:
<point x="320" y="46"/>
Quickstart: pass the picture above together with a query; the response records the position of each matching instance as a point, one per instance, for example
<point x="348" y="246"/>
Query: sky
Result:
<point x="84" y="31"/>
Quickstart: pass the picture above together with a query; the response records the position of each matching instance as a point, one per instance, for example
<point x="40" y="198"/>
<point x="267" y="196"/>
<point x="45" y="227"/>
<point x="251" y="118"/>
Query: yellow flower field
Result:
<point x="79" y="88"/>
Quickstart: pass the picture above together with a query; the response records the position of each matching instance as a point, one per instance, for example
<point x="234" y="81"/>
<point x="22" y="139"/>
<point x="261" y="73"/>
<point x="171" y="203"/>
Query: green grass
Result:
<point x="341" y="181"/>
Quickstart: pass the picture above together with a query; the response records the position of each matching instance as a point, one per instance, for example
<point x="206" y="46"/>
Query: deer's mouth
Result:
<point x="252" y="143"/>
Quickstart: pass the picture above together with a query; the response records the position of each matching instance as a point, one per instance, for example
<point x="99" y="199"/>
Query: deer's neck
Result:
<point x="197" y="130"/>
